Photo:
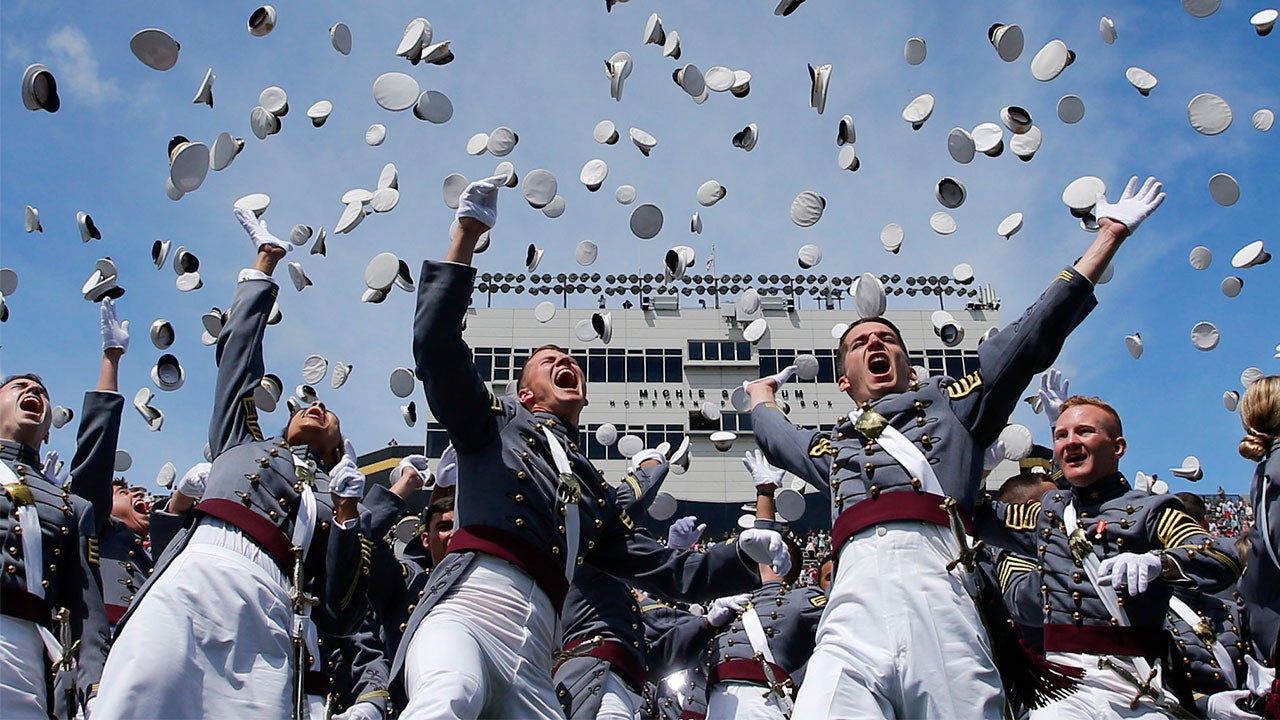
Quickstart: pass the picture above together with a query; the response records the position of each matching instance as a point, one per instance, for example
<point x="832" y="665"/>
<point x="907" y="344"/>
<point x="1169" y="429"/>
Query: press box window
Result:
<point x="719" y="351"/>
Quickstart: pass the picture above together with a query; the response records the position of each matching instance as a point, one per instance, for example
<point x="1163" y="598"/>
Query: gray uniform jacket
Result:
<point x="952" y="421"/>
<point x="600" y="606"/>
<point x="1116" y="519"/>
<point x="1222" y="619"/>
<point x="355" y="668"/>
<point x="255" y="484"/>
<point x="789" y="617"/>
<point x="70" y="543"/>
<point x="509" y="490"/>
<point x="123" y="562"/>
<point x="1260" y="584"/>
<point x="125" y="566"/>
<point x="678" y="653"/>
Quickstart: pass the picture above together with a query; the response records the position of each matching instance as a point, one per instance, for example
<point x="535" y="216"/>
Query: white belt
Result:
<point x="32" y="540"/>
<point x="305" y="524"/>
<point x="906" y="454"/>
<point x="760" y="644"/>
<point x="1264" y="523"/>
<point x="1105" y="593"/>
<point x="569" y="492"/>
<point x="303" y="529"/>
<point x="1193" y="619"/>
<point x="33" y="558"/>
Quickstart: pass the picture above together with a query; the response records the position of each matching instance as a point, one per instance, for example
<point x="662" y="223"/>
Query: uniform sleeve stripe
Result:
<point x="1010" y="565"/>
<point x="1022" y="516"/>
<point x="251" y="417"/>
<point x="1174" y="526"/>
<point x="1225" y="559"/>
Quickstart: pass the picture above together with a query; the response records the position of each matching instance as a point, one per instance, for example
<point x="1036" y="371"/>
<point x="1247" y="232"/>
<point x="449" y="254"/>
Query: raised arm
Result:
<point x="1010" y="358"/>
<point x="1116" y="222"/>
<point x="455" y="392"/>
<point x="99" y="432"/>
<point x="631" y="555"/>
<point x="239" y="356"/>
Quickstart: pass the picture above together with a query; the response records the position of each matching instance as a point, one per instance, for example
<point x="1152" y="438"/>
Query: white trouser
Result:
<point x="209" y="638"/>
<point x="619" y="701"/>
<point x="485" y="649"/>
<point x="732" y="700"/>
<point x="22" y="670"/>
<point x="1102" y="694"/>
<point x="901" y="637"/>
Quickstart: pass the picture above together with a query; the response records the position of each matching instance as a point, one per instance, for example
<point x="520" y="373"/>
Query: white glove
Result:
<point x="115" y="334"/>
<point x="766" y="547"/>
<point x="257" y="229"/>
<point x="194" y="480"/>
<point x="993" y="455"/>
<point x="684" y="533"/>
<point x="645" y="456"/>
<point x="345" y="479"/>
<point x="421" y="468"/>
<point x="479" y="200"/>
<point x="51" y="470"/>
<point x="1222" y="706"/>
<point x="360" y="711"/>
<point x="724" y="609"/>
<point x="766" y="476"/>
<point x="1134" y="569"/>
<point x="447" y="469"/>
<point x="779" y="379"/>
<point x="1134" y="205"/>
<point x="1054" y="390"/>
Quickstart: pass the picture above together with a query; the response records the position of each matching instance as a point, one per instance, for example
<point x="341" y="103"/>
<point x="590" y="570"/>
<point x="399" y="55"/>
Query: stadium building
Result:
<point x="677" y="351"/>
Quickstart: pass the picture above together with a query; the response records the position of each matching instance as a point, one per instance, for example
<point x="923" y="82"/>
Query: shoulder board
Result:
<point x="965" y="385"/>
<point x="495" y="404"/>
<point x="822" y="446"/>
<point x="626" y="520"/>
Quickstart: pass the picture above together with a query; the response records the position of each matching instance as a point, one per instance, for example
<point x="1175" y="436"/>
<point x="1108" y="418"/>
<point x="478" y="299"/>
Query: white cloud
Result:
<point x="78" y="69"/>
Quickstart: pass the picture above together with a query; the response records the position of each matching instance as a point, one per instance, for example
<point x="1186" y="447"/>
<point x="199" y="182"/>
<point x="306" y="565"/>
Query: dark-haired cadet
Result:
<point x="220" y="628"/>
<point x="530" y="509"/>
<point x="50" y="591"/>
<point x="901" y="636"/>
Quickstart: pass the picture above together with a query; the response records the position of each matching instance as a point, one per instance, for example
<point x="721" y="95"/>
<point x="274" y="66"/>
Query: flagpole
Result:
<point x="715" y="280"/>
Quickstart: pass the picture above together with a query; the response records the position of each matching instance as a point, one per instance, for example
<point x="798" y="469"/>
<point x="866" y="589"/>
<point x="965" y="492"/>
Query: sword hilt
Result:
<point x="582" y="648"/>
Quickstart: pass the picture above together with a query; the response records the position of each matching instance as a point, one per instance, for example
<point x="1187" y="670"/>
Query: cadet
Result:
<point x="126" y="559"/>
<point x="920" y="648"/>
<point x="769" y="640"/>
<point x="1107" y="558"/>
<point x="534" y="508"/>
<point x="220" y="623"/>
<point x="1210" y="635"/>
<point x="676" y="661"/>
<point x="50" y="593"/>
<point x="600" y="671"/>
<point x="1260" y="585"/>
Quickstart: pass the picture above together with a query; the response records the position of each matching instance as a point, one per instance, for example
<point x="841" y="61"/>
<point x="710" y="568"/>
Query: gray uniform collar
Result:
<point x="14" y="451"/>
<point x="1104" y="490"/>
<point x="563" y="430"/>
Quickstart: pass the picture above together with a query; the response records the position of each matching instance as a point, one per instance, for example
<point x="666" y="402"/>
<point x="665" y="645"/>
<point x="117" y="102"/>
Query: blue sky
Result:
<point x="537" y="67"/>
